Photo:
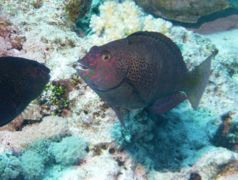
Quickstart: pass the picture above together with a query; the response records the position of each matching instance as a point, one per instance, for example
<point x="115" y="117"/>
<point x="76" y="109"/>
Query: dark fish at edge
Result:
<point x="21" y="81"/>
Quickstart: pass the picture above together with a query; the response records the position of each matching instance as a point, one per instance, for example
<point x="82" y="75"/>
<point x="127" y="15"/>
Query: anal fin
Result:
<point x="167" y="103"/>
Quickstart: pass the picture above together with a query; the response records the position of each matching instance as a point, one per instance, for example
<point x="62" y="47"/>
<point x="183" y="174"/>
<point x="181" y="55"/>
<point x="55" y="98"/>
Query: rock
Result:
<point x="229" y="172"/>
<point x="50" y="126"/>
<point x="222" y="24"/>
<point x="10" y="38"/>
<point x="186" y="11"/>
<point x="226" y="135"/>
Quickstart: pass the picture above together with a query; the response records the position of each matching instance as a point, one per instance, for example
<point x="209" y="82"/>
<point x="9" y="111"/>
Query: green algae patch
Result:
<point x="54" y="99"/>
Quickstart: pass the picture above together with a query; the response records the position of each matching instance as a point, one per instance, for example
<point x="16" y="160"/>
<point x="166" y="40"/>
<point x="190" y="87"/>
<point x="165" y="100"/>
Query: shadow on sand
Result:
<point x="167" y="142"/>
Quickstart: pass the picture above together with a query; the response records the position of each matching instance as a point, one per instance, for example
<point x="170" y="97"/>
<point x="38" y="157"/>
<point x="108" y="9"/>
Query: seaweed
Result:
<point x="54" y="99"/>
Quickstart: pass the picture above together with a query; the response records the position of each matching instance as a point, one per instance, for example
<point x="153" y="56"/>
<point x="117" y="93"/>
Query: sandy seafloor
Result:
<point x="87" y="141"/>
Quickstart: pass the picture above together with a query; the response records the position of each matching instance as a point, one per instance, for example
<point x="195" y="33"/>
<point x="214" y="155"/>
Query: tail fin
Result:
<point x="197" y="80"/>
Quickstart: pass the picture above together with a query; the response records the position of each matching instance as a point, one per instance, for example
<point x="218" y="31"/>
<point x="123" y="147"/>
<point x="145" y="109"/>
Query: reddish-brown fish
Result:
<point x="146" y="69"/>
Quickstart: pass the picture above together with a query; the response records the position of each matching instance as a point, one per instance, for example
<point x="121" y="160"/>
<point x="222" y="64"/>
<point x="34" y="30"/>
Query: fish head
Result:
<point x="21" y="81"/>
<point x="37" y="76"/>
<point x="33" y="77"/>
<point x="102" y="68"/>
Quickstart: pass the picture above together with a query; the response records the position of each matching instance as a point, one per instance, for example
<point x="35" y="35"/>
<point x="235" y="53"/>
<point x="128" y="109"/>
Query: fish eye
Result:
<point x="106" y="56"/>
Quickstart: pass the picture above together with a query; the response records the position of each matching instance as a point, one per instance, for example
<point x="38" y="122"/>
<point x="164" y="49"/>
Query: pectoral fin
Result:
<point x="165" y="104"/>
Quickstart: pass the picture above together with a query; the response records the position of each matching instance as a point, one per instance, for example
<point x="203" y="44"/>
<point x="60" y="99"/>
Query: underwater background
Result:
<point x="69" y="133"/>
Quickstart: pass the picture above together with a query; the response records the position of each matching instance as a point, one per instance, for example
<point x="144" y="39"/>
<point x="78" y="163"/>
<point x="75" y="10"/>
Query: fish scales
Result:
<point x="160" y="61"/>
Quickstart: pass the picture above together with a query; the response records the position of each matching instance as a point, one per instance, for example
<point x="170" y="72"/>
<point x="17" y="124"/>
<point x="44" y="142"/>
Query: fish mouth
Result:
<point x="45" y="71"/>
<point x="81" y="67"/>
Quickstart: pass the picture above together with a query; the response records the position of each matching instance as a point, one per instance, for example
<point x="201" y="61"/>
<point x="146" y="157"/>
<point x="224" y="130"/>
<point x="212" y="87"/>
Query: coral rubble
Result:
<point x="11" y="40"/>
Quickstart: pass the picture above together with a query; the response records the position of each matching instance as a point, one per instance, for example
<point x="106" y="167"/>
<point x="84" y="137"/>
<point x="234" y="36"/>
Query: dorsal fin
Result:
<point x="160" y="38"/>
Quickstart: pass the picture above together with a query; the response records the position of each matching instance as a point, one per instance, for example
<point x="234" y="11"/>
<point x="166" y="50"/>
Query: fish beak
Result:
<point x="80" y="67"/>
<point x="45" y="69"/>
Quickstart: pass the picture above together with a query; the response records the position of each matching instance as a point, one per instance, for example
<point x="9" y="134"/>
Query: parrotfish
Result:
<point x="144" y="70"/>
<point x="21" y="81"/>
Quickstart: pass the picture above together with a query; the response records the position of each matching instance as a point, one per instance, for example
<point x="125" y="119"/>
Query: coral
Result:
<point x="10" y="166"/>
<point x="170" y="142"/>
<point x="213" y="162"/>
<point x="227" y="133"/>
<point x="32" y="165"/>
<point x="147" y="139"/>
<point x="86" y="108"/>
<point x="229" y="64"/>
<point x="37" y="3"/>
<point x="49" y="127"/>
<point x="41" y="148"/>
<point x="41" y="155"/>
<point x="206" y="167"/>
<point x="59" y="50"/>
<point x="126" y="15"/>
<point x="10" y="39"/>
<point x="69" y="151"/>
<point x="77" y="8"/>
<point x="230" y="171"/>
<point x="221" y="93"/>
<point x="99" y="167"/>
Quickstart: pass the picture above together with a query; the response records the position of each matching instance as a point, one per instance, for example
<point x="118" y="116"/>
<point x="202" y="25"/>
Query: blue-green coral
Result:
<point x="69" y="151"/>
<point x="40" y="156"/>
<point x="10" y="166"/>
<point x="171" y="141"/>
<point x="32" y="165"/>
